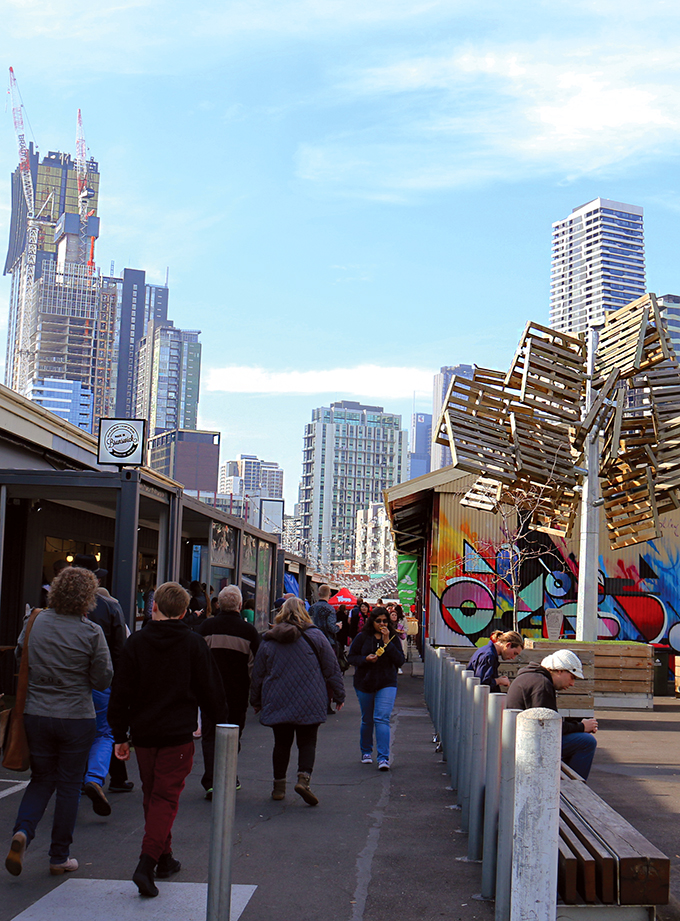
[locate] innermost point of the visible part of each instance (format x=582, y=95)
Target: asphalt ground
x=378, y=846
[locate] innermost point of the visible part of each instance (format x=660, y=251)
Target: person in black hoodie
x=376, y=654
x=164, y=674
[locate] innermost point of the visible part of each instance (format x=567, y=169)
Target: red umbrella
x=344, y=596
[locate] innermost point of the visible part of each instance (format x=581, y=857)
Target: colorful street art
x=639, y=597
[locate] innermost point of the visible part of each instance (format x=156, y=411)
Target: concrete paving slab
x=103, y=899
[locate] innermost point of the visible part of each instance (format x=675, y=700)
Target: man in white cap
x=537, y=686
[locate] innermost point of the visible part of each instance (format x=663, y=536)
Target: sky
x=349, y=194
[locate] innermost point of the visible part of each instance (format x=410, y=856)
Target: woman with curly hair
x=376, y=654
x=67, y=658
x=288, y=690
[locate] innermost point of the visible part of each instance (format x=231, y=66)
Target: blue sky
x=351, y=193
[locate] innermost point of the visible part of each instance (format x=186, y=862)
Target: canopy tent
x=343, y=596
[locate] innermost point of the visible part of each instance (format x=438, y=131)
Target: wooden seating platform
x=603, y=860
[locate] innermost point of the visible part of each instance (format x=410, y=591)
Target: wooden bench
x=602, y=858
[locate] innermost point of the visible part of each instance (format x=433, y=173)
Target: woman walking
x=376, y=654
x=67, y=658
x=484, y=663
x=293, y=666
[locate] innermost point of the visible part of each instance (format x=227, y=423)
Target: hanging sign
x=122, y=442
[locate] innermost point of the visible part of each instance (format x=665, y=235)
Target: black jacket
x=372, y=676
x=165, y=673
x=533, y=687
x=233, y=643
x=109, y=615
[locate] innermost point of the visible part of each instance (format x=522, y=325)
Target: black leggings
x=284, y=733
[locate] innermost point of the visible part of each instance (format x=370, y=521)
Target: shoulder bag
x=15, y=754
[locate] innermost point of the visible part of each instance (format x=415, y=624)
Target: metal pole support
x=492, y=794
x=477, y=771
x=222, y=828
x=506, y=815
x=471, y=681
x=537, y=815
x=458, y=678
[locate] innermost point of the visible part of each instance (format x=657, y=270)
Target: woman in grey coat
x=293, y=667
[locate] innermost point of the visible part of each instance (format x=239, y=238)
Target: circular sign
x=121, y=440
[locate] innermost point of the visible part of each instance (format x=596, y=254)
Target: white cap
x=564, y=660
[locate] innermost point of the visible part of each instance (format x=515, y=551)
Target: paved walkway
x=378, y=846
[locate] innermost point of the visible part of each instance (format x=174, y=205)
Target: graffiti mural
x=639, y=587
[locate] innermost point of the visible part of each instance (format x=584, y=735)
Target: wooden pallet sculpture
x=634, y=339
x=483, y=494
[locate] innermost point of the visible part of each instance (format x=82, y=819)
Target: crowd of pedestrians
x=95, y=692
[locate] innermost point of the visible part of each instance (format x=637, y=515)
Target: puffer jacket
x=288, y=684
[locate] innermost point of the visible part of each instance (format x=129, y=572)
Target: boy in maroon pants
x=164, y=674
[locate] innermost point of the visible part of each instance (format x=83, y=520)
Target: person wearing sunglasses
x=376, y=654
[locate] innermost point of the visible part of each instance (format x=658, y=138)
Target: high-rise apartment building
x=421, y=440
x=190, y=457
x=375, y=551
x=440, y=456
x=167, y=377
x=257, y=477
x=54, y=331
x=351, y=454
x=669, y=305
x=598, y=263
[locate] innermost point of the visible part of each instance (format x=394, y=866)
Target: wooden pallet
x=630, y=505
x=483, y=494
x=480, y=446
x=634, y=339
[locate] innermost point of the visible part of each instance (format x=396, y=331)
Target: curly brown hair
x=73, y=591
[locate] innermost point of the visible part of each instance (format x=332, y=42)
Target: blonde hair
x=511, y=638
x=171, y=599
x=294, y=612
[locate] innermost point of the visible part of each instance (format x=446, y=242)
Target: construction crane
x=26, y=292
x=84, y=192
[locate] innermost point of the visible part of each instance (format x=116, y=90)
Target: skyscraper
x=351, y=454
x=421, y=438
x=669, y=305
x=440, y=456
x=256, y=477
x=598, y=263
x=168, y=377
x=53, y=327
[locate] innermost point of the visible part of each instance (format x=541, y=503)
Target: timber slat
x=574, y=865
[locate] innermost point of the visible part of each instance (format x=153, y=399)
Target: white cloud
x=364, y=380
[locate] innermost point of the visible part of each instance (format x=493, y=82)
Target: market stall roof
x=409, y=506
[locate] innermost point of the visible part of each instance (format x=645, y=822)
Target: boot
x=167, y=865
x=143, y=876
x=302, y=789
x=279, y=791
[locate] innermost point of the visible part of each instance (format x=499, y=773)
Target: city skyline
x=375, y=183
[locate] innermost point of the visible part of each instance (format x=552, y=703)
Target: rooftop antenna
x=167, y=275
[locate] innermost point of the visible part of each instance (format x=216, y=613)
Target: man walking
x=233, y=643
x=323, y=616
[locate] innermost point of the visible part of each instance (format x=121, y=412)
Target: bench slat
x=575, y=869
x=604, y=865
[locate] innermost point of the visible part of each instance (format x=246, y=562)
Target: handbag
x=15, y=753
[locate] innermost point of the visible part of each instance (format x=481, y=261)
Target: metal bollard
x=222, y=827
x=537, y=815
x=506, y=815
x=463, y=737
x=477, y=771
x=427, y=675
x=458, y=673
x=471, y=681
x=449, y=747
x=492, y=794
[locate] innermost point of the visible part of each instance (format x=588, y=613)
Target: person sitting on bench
x=537, y=686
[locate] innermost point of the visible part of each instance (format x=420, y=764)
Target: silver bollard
x=463, y=737
x=538, y=752
x=492, y=794
x=449, y=745
x=506, y=815
x=471, y=681
x=458, y=673
x=222, y=827
x=477, y=771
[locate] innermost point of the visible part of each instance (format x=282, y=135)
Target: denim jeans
x=102, y=747
x=376, y=709
x=578, y=751
x=59, y=750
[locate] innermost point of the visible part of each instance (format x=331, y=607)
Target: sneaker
x=208, y=794
x=15, y=859
x=383, y=765
x=238, y=784
x=94, y=792
x=124, y=787
x=367, y=759
x=68, y=866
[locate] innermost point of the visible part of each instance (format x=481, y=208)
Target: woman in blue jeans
x=67, y=658
x=376, y=654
